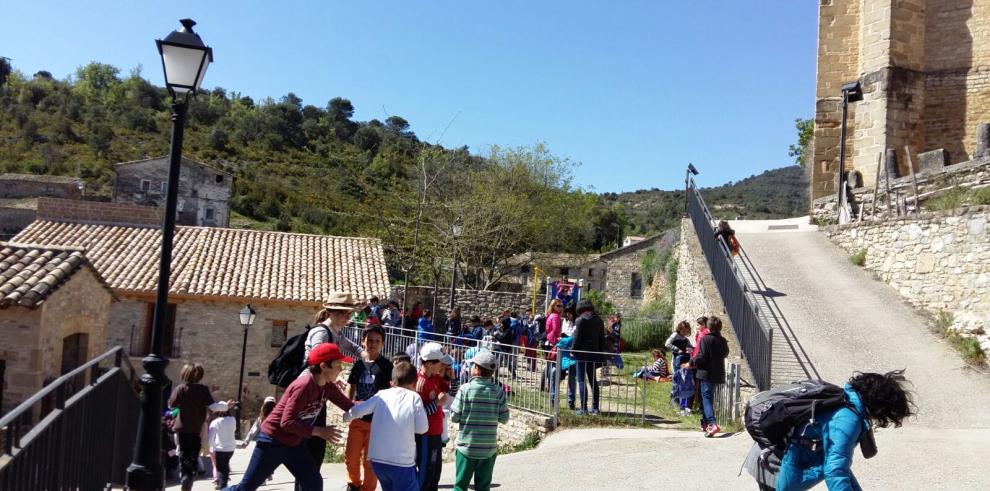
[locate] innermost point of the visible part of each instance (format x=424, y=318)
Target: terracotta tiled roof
x=226, y=262
x=29, y=274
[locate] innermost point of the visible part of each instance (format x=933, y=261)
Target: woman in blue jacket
x=825, y=449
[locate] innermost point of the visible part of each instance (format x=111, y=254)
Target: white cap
x=431, y=352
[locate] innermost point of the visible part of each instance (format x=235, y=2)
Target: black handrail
x=84, y=440
x=755, y=339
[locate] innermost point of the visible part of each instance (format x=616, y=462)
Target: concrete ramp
x=849, y=322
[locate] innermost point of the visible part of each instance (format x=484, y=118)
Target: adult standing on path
x=193, y=400
x=589, y=343
x=710, y=365
x=331, y=320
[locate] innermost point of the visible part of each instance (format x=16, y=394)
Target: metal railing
x=75, y=433
x=755, y=338
x=533, y=377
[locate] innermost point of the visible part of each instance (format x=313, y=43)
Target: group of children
x=686, y=356
x=396, y=414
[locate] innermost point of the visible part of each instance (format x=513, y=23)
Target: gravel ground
x=847, y=321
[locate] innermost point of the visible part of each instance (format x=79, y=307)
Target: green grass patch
x=958, y=197
x=334, y=454
x=530, y=442
x=859, y=258
x=968, y=348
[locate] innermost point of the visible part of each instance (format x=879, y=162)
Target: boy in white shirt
x=399, y=416
x=222, y=444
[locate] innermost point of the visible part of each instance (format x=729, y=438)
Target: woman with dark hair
x=824, y=452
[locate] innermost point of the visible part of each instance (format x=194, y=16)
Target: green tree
x=805, y=132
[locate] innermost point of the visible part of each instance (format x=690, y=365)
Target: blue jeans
x=395, y=478
x=269, y=454
x=571, y=374
x=707, y=402
x=586, y=374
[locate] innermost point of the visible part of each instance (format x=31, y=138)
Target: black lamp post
x=687, y=182
x=851, y=92
x=247, y=316
x=184, y=60
x=456, y=230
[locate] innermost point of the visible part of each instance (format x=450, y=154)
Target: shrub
x=859, y=258
x=603, y=307
x=643, y=334
x=968, y=348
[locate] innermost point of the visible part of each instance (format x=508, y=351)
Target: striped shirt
x=479, y=407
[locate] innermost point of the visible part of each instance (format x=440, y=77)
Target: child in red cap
x=283, y=432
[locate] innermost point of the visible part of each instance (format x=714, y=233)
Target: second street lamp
x=184, y=61
x=456, y=230
x=247, y=316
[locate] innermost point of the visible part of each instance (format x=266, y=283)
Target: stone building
x=54, y=309
x=521, y=267
x=215, y=271
x=19, y=195
x=623, y=283
x=204, y=192
x=924, y=66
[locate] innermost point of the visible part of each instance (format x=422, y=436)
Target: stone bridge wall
x=935, y=261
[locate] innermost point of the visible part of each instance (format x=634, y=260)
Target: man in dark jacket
x=710, y=366
x=589, y=345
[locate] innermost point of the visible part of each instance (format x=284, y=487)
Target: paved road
x=847, y=322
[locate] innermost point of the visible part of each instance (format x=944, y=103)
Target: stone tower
x=924, y=66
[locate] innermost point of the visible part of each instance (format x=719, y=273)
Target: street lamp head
x=184, y=59
x=247, y=316
x=692, y=170
x=853, y=91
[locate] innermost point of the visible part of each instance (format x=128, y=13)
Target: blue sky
x=631, y=90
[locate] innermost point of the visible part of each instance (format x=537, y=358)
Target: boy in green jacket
x=479, y=407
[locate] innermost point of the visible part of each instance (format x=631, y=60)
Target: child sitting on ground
x=657, y=372
x=399, y=417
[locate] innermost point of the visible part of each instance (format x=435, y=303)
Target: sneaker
x=579, y=412
x=682, y=413
x=711, y=430
x=687, y=411
x=594, y=412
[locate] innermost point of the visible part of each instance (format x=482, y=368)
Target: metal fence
x=533, y=378
x=77, y=432
x=535, y=381
x=755, y=339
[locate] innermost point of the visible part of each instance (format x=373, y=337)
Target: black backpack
x=771, y=416
x=289, y=363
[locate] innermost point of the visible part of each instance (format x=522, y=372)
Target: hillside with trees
x=777, y=193
x=313, y=168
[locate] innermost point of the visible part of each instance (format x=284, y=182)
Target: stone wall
x=209, y=332
x=98, y=212
x=21, y=351
x=15, y=218
x=924, y=66
x=690, y=298
x=13, y=186
x=968, y=174
x=935, y=261
x=31, y=339
x=472, y=302
x=696, y=295
x=81, y=305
